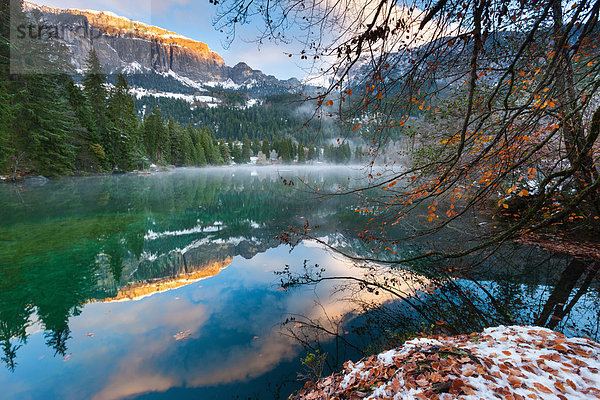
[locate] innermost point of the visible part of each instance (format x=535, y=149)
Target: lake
x=165, y=286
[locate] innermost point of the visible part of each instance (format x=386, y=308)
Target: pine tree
x=121, y=138
x=237, y=154
x=189, y=150
x=246, y=149
x=256, y=146
x=89, y=155
x=225, y=153
x=6, y=118
x=155, y=136
x=95, y=90
x=36, y=121
x=215, y=156
x=44, y=124
x=286, y=150
x=266, y=149
x=312, y=152
x=192, y=133
x=206, y=144
x=301, y=154
x=200, y=157
x=177, y=150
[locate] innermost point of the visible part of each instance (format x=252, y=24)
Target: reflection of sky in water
x=235, y=336
x=80, y=239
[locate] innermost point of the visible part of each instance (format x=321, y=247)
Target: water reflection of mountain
x=140, y=289
x=202, y=258
x=78, y=240
x=118, y=238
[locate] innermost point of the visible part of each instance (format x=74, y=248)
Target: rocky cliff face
x=135, y=47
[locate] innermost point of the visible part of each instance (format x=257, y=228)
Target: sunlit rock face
x=193, y=273
x=134, y=47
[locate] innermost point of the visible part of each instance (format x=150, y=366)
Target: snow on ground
x=134, y=68
x=513, y=362
x=107, y=13
x=186, y=81
x=140, y=92
x=151, y=235
x=252, y=102
x=228, y=84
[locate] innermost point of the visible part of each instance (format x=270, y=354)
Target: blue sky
x=193, y=18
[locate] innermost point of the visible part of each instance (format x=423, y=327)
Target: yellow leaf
x=523, y=192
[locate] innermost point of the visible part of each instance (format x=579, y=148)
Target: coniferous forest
x=58, y=123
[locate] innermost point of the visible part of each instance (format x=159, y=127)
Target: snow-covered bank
x=501, y=363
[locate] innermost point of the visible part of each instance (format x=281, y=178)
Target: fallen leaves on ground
x=513, y=363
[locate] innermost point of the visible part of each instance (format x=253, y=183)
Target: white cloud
x=270, y=58
x=139, y=10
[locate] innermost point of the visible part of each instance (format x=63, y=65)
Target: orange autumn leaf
x=541, y=388
x=523, y=192
x=516, y=382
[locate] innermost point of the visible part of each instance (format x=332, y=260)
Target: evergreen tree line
x=39, y=129
x=51, y=125
x=272, y=120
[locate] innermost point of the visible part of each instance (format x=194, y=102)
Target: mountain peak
x=114, y=24
x=116, y=39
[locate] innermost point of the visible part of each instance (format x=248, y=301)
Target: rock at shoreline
x=501, y=363
x=35, y=180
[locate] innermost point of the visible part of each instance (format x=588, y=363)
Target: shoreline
x=512, y=362
x=169, y=169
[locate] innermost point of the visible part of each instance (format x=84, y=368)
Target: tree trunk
x=577, y=143
x=562, y=290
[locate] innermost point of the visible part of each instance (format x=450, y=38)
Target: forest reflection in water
x=99, y=276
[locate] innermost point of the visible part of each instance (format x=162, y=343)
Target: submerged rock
x=35, y=180
x=503, y=362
